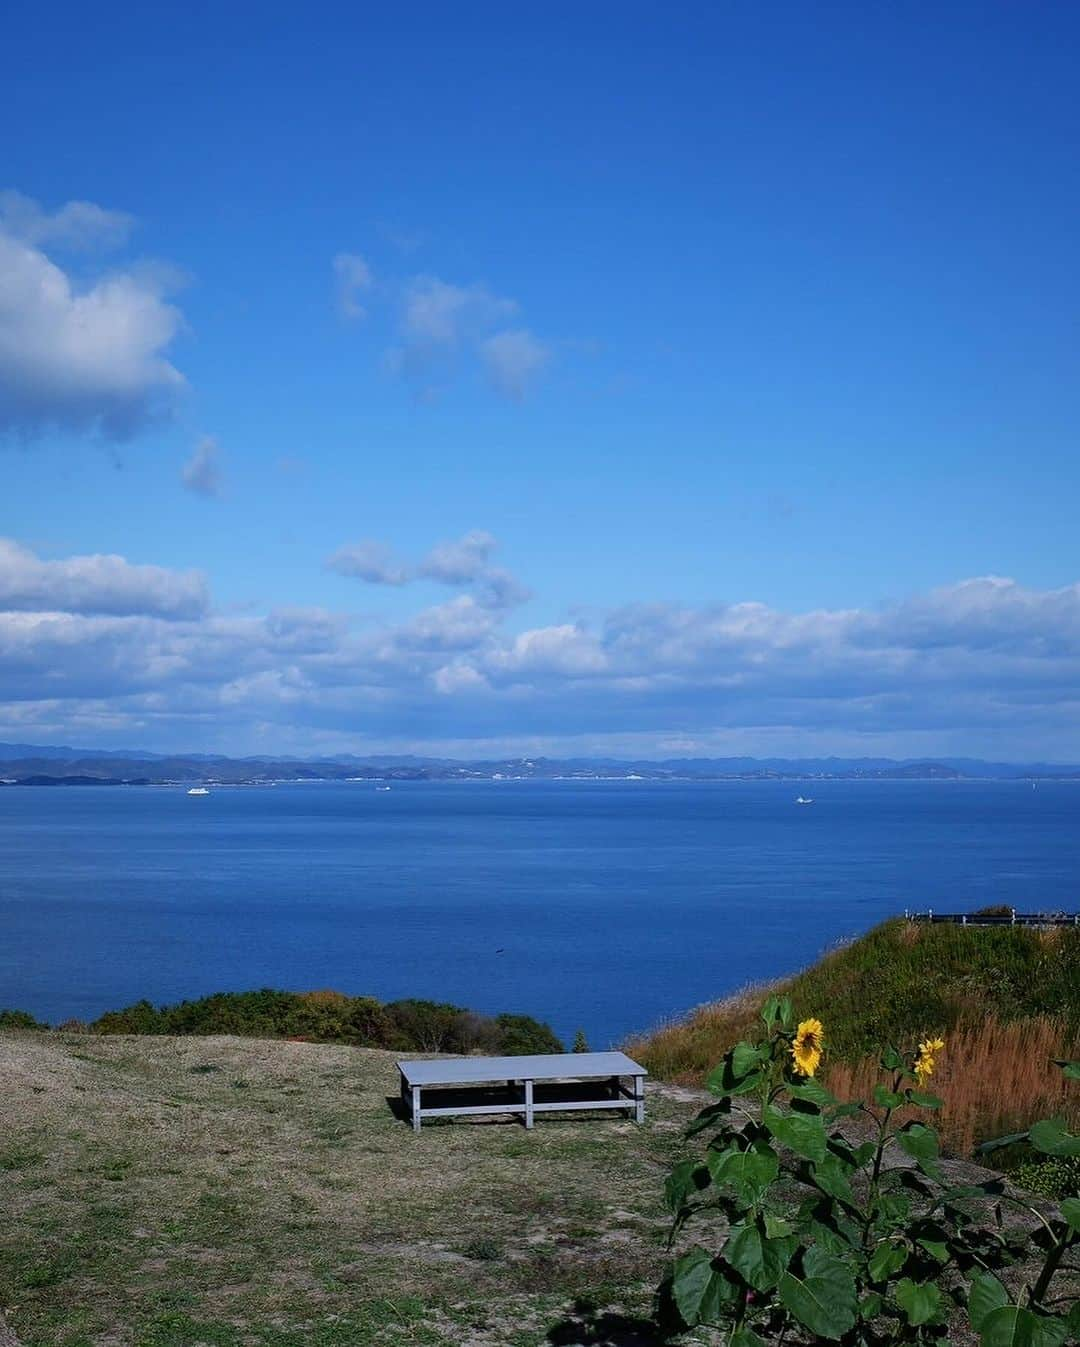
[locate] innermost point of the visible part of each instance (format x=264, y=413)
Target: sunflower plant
x=850, y=1233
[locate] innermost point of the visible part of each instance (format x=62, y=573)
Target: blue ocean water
x=602, y=905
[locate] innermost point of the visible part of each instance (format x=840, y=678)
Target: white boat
x=803, y=800
x=382, y=787
x=198, y=790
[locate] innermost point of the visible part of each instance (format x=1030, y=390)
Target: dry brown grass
x=685, y=1050
x=994, y=1078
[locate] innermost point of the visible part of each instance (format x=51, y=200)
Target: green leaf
x=745, y=1057
x=884, y=1098
x=885, y=1260
x=1051, y=1138
x=813, y=1092
x=1070, y=1209
x=710, y=1116
x=920, y=1301
x=843, y=1111
x=1070, y=1070
x=936, y=1248
x=722, y=1080
x=760, y=1261
x=823, y=1299
x=803, y=1133
x=770, y=1011
x=870, y=1306
x=921, y=1143
x=891, y=1060
x=1011, y=1326
x=986, y=1294
x=831, y=1176
x=686, y=1179
x=925, y=1100
x=985, y=1147
x=776, y=1227
x=749, y=1172
x=699, y=1290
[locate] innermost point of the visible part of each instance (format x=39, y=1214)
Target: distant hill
x=30, y=764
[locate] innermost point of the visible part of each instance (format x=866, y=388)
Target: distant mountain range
x=35, y=765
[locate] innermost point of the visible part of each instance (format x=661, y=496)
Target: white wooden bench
x=549, y=1083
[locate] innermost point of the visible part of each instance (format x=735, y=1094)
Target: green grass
x=901, y=980
x=893, y=985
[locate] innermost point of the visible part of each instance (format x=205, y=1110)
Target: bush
x=521, y=1035
x=332, y=1017
x=19, y=1019
x=1049, y=1176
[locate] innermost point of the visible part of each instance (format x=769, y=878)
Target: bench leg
x=528, y=1103
x=639, y=1099
x=416, y=1108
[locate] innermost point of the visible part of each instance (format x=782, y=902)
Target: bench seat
x=543, y=1083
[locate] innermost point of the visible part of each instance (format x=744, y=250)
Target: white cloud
x=96, y=584
x=436, y=313
x=513, y=360
x=446, y=327
x=461, y=562
x=202, y=472
x=458, y=562
x=368, y=560
x=81, y=357
x=78, y=225
x=978, y=667
x=352, y=277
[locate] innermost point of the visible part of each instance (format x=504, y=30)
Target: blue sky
x=743, y=338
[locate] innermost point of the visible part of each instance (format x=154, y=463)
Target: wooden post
x=416, y=1108
x=528, y=1103
x=639, y=1099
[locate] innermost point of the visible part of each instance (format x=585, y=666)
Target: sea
x=606, y=906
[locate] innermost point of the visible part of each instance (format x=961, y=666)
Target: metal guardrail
x=984, y=919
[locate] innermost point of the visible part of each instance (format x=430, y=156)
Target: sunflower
x=806, y=1049
x=924, y=1063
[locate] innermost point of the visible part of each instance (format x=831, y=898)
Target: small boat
x=198, y=790
x=801, y=799
x=382, y=787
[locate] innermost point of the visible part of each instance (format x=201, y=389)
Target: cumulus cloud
x=513, y=361
x=77, y=225
x=464, y=561
x=445, y=328
x=456, y=563
x=80, y=356
x=96, y=584
x=369, y=560
x=984, y=665
x=201, y=474
x=352, y=277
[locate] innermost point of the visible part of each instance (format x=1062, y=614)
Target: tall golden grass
x=994, y=1079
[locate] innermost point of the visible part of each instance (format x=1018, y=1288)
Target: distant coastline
x=33, y=765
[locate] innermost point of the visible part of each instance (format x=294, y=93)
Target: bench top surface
x=547, y=1066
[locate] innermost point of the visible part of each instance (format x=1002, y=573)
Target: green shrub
x=521, y=1035
x=19, y=1019
x=332, y=1017
x=1049, y=1176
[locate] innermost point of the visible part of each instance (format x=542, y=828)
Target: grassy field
x=167, y=1192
